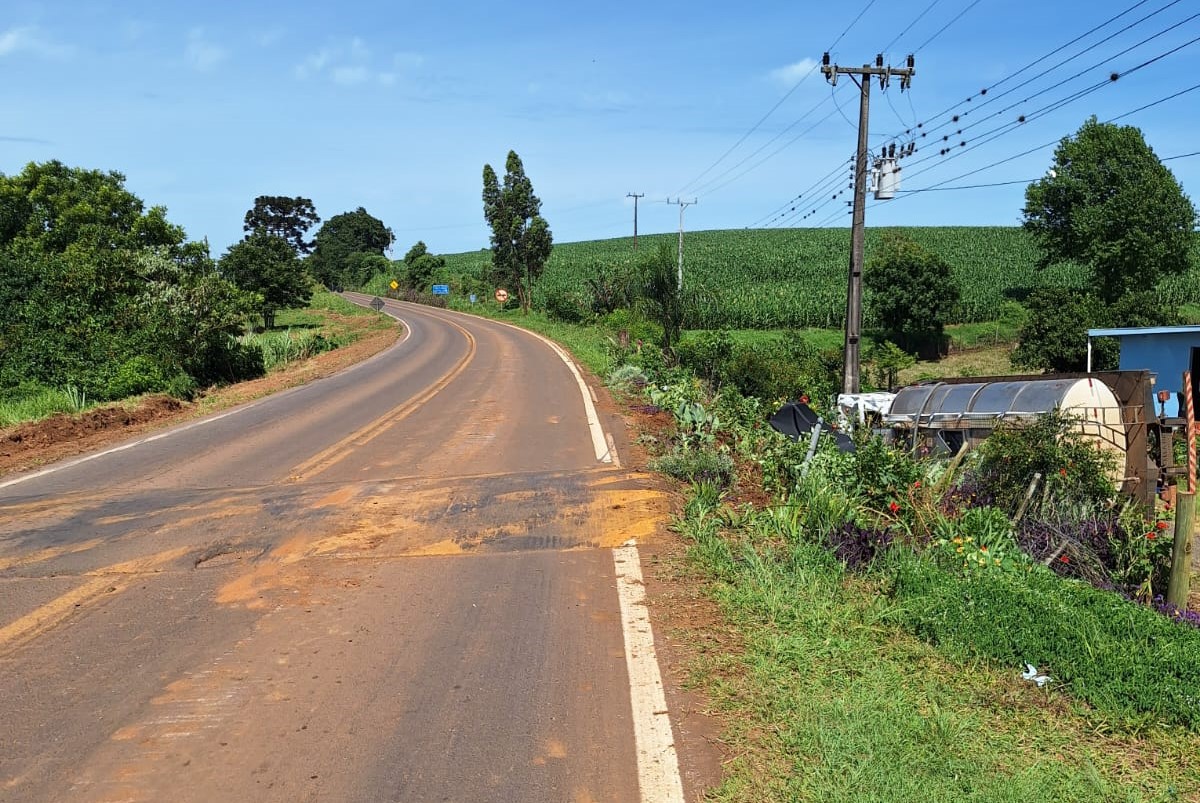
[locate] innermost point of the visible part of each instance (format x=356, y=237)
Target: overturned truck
x=1115, y=409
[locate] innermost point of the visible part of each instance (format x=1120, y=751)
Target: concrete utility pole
x=635, y=197
x=850, y=369
x=682, y=206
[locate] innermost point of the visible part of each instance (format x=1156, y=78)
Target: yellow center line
x=327, y=458
x=108, y=580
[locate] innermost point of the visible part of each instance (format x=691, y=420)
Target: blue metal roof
x=1144, y=330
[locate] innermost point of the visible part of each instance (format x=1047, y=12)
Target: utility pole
x=850, y=368
x=635, y=197
x=682, y=204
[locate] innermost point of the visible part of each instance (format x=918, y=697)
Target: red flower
x=1064, y=559
x=917, y=484
x=1062, y=471
x=1162, y=525
x=1150, y=536
x=892, y=506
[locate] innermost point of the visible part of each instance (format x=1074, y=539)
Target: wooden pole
x=1181, y=550
x=1185, y=509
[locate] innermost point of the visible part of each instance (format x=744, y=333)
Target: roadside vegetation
x=895, y=628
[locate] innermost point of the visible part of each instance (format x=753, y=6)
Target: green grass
x=827, y=700
x=35, y=404
x=590, y=345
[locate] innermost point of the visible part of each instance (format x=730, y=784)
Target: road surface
x=404, y=582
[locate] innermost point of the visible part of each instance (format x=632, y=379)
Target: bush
x=1074, y=471
x=134, y=377
x=696, y=465
x=566, y=305
x=708, y=354
x=1124, y=659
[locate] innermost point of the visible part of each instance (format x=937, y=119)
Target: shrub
x=566, y=305
x=1074, y=471
x=708, y=354
x=858, y=546
x=135, y=376
x=696, y=465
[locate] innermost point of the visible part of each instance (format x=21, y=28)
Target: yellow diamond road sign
x=395, y=285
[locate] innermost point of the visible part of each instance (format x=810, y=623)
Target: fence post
x=1181, y=550
x=1185, y=509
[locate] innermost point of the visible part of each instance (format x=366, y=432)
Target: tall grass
x=39, y=403
x=282, y=347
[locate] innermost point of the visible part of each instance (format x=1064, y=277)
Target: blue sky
x=397, y=106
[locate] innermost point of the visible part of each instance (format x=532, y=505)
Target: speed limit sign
x=502, y=295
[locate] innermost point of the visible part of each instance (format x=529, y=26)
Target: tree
x=1110, y=204
x=341, y=236
x=99, y=293
x=1054, y=337
x=521, y=238
x=912, y=294
x=267, y=264
x=888, y=360
x=419, y=266
x=289, y=218
x=59, y=207
x=661, y=297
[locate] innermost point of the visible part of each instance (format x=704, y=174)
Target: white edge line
x=658, y=763
x=176, y=430
x=604, y=447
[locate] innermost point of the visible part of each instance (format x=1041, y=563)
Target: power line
x=888, y=46
x=778, y=103
x=983, y=92
x=1008, y=127
x=782, y=209
x=944, y=27
x=1055, y=141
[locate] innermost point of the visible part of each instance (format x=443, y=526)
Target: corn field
x=790, y=278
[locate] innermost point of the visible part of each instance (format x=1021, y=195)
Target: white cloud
x=350, y=75
x=792, y=74
x=28, y=39
x=352, y=63
x=202, y=54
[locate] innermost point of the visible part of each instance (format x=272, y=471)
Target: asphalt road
x=397, y=583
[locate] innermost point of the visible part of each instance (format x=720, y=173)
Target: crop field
x=795, y=278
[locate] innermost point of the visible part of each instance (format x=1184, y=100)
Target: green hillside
x=793, y=278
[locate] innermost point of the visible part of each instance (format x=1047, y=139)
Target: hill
x=793, y=278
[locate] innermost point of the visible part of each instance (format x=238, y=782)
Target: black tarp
x=796, y=420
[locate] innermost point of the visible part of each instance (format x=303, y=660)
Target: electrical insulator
x=825, y=60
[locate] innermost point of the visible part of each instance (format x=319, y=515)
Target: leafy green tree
x=59, y=207
x=267, y=264
x=1054, y=336
x=912, y=293
x=1110, y=204
x=289, y=218
x=521, y=238
x=100, y=293
x=888, y=360
x=419, y=266
x=341, y=236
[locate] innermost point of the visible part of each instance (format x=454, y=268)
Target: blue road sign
x=441, y=289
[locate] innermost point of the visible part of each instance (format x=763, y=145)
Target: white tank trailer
x=1114, y=410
